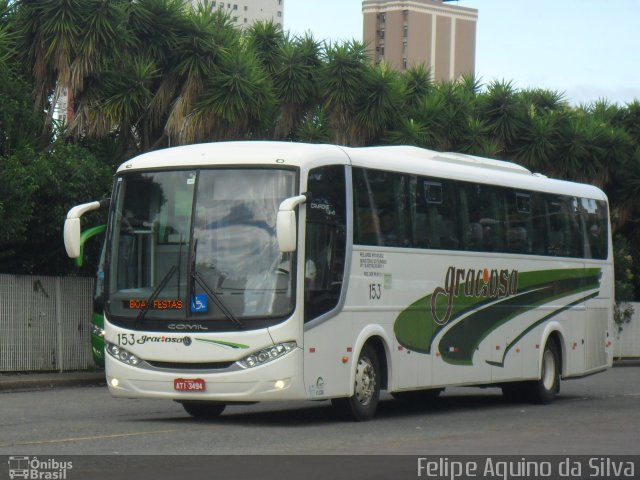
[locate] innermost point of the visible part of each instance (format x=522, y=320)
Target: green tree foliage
x=47, y=185
x=147, y=74
x=623, y=263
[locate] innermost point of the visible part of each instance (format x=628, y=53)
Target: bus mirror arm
x=72, y=227
x=286, y=228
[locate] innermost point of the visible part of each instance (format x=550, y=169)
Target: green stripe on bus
x=223, y=344
x=539, y=322
x=415, y=327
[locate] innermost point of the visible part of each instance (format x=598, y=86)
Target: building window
x=235, y=7
x=235, y=19
x=382, y=51
x=245, y=20
x=405, y=15
x=404, y=63
x=279, y=14
x=381, y=33
x=404, y=48
x=246, y=8
x=405, y=32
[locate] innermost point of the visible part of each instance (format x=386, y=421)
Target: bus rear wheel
x=363, y=403
x=202, y=409
x=543, y=391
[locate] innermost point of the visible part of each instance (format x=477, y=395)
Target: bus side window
x=596, y=227
x=539, y=225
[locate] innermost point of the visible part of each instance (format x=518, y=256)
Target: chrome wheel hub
x=365, y=381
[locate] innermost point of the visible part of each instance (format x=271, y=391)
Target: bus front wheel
x=204, y=410
x=363, y=403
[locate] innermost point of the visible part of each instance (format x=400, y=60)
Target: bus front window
x=199, y=245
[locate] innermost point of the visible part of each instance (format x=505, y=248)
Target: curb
x=40, y=381
x=627, y=362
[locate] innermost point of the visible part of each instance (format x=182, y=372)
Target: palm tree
x=8, y=38
x=379, y=103
x=501, y=108
x=408, y=132
x=295, y=82
x=313, y=128
x=538, y=143
x=199, y=54
x=49, y=32
x=581, y=151
x=341, y=78
x=266, y=39
x=236, y=103
x=417, y=85
x=544, y=100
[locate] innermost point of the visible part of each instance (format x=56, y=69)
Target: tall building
x=431, y=32
x=245, y=12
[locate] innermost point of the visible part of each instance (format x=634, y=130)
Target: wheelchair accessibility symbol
x=199, y=304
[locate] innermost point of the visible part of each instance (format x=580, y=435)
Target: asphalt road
x=594, y=415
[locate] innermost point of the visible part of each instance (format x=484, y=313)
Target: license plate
x=188, y=384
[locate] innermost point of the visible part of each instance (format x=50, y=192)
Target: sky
x=586, y=49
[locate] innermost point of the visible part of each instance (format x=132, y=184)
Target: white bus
x=259, y=271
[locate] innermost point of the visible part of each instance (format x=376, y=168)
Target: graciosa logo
x=480, y=283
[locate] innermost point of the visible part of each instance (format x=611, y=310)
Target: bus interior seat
x=448, y=237
x=474, y=235
x=518, y=240
x=368, y=234
x=421, y=231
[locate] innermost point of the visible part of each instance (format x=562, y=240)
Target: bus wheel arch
x=378, y=344
x=369, y=377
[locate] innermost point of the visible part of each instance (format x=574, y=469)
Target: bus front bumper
x=280, y=379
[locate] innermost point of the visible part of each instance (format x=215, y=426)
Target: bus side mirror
x=72, y=227
x=286, y=227
x=72, y=237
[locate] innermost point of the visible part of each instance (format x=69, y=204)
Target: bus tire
x=202, y=409
x=362, y=405
x=544, y=390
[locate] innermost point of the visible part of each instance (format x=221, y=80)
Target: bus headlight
x=267, y=354
x=121, y=354
x=98, y=331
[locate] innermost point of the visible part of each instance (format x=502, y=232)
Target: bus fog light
x=266, y=355
x=114, y=382
x=279, y=384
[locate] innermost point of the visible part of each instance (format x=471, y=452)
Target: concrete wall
x=628, y=341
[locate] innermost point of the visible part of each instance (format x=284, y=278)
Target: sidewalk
x=10, y=382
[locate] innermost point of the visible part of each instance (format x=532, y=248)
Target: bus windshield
x=200, y=246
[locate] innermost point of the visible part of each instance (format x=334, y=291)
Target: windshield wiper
x=197, y=278
x=163, y=283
